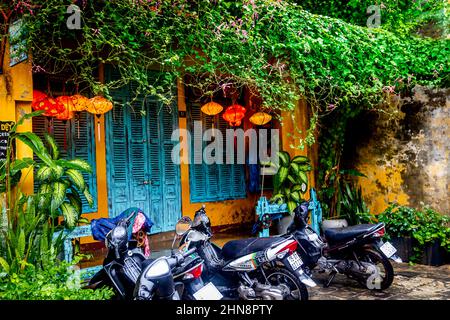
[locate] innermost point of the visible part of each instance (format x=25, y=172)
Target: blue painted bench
x=277, y=211
x=78, y=232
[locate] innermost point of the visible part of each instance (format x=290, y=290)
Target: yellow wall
x=16, y=94
x=293, y=129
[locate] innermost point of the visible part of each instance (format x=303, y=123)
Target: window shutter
x=170, y=169
x=225, y=169
x=197, y=174
x=211, y=170
x=117, y=160
x=82, y=146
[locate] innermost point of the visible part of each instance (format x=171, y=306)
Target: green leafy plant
x=33, y=219
x=424, y=225
x=291, y=180
x=351, y=205
x=57, y=281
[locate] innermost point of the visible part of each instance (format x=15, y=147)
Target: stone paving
x=417, y=282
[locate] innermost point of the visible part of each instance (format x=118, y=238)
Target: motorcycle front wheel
x=293, y=288
x=383, y=275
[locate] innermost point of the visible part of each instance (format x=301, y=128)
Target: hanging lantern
x=212, y=108
x=260, y=118
x=234, y=114
x=51, y=106
x=38, y=96
x=81, y=103
x=99, y=105
x=67, y=102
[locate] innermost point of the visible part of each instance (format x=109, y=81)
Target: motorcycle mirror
x=183, y=225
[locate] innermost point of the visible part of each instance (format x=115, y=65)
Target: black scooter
x=355, y=251
x=126, y=270
x=245, y=269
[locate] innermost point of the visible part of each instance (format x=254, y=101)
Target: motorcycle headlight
x=158, y=268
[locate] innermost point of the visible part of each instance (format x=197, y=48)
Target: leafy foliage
x=33, y=219
x=425, y=225
x=56, y=282
x=291, y=180
x=277, y=49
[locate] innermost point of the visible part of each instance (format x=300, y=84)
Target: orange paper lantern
x=99, y=105
x=260, y=118
x=212, y=108
x=81, y=103
x=68, y=113
x=234, y=114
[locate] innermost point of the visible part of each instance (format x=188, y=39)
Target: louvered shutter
x=197, y=179
x=226, y=183
x=156, y=172
x=81, y=144
x=117, y=158
x=211, y=170
x=171, y=172
x=137, y=143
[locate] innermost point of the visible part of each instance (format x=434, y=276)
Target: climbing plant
x=275, y=48
x=320, y=51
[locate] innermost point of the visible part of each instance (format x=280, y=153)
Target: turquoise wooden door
x=138, y=152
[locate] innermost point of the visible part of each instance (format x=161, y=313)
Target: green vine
x=281, y=51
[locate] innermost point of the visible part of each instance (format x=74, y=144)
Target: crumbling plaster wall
x=405, y=153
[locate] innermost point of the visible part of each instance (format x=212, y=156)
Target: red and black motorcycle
x=356, y=251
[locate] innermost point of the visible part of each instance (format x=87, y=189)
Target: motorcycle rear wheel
x=384, y=268
x=282, y=276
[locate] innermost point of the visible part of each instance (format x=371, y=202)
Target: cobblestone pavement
x=418, y=282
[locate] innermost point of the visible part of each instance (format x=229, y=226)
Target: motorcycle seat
x=238, y=248
x=337, y=235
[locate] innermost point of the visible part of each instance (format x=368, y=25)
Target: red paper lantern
x=68, y=104
x=234, y=114
x=51, y=106
x=38, y=96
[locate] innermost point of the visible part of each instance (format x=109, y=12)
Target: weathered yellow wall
x=293, y=130
x=406, y=156
x=16, y=94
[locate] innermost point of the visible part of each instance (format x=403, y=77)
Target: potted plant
x=419, y=235
x=347, y=206
x=290, y=185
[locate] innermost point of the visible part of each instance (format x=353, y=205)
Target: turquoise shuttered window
x=213, y=182
x=75, y=139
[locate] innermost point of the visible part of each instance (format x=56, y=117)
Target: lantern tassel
x=98, y=129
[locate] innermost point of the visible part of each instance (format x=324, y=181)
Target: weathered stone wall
x=405, y=152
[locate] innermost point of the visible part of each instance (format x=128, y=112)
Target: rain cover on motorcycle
x=101, y=227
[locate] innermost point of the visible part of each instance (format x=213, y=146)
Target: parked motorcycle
x=356, y=251
x=133, y=276
x=245, y=269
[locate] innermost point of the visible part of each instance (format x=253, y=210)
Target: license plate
x=388, y=249
x=295, y=261
x=208, y=292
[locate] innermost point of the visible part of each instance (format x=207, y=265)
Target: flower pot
x=433, y=254
x=404, y=246
x=334, y=223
